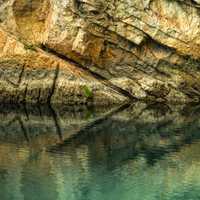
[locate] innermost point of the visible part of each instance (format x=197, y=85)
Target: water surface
x=129, y=153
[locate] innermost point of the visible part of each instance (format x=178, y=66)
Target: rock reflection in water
x=132, y=152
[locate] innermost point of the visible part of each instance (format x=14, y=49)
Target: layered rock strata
x=30, y=75
x=121, y=50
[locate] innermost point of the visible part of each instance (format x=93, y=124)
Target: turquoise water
x=136, y=152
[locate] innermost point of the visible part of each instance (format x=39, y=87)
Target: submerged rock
x=120, y=50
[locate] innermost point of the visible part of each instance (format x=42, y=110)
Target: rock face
x=97, y=51
x=30, y=75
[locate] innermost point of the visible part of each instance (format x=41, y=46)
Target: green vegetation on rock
x=87, y=92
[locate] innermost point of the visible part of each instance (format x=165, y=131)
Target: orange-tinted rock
x=148, y=49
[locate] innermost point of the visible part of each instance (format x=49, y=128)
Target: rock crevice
x=99, y=52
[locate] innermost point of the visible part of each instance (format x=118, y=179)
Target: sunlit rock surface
x=148, y=50
x=31, y=75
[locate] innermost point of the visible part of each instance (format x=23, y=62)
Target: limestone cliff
x=99, y=51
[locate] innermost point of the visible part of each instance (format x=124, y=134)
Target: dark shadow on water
x=150, y=130
x=77, y=153
x=119, y=133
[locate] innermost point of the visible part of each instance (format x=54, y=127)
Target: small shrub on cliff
x=87, y=92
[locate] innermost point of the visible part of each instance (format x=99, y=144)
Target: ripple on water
x=111, y=154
